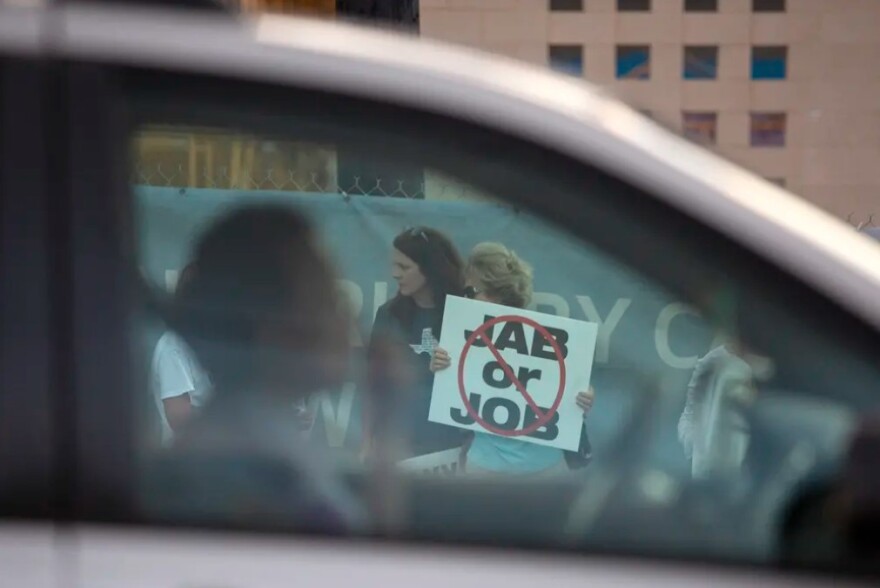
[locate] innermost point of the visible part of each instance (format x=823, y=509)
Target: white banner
x=514, y=373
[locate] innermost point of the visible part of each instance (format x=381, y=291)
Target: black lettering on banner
x=489, y=411
x=478, y=342
x=548, y=431
x=542, y=348
x=512, y=336
x=461, y=415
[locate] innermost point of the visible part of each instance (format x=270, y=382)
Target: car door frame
x=28, y=371
x=104, y=285
x=32, y=494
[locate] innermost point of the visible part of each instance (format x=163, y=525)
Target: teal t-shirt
x=500, y=454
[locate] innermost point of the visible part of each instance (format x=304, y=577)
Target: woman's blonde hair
x=505, y=277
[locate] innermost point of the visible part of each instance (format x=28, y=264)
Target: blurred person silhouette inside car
x=178, y=383
x=833, y=518
x=265, y=319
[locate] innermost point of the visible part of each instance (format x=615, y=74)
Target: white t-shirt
x=713, y=437
x=175, y=372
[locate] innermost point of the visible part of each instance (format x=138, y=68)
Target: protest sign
x=442, y=463
x=514, y=373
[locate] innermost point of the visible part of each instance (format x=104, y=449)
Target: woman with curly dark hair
x=427, y=267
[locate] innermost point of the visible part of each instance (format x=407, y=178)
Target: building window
x=768, y=5
x=633, y=5
x=700, y=127
x=701, y=5
x=767, y=129
x=769, y=63
x=633, y=62
x=566, y=5
x=700, y=62
x=567, y=59
x=401, y=14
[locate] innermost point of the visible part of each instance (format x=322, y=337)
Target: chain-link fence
x=431, y=186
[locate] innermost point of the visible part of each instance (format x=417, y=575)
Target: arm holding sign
x=581, y=458
x=585, y=399
x=440, y=360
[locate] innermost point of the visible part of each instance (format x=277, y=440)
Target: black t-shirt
x=421, y=336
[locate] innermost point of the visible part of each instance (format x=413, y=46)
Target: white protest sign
x=442, y=463
x=515, y=373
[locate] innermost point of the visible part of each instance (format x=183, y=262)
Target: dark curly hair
x=438, y=260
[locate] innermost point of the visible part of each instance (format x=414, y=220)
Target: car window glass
x=343, y=338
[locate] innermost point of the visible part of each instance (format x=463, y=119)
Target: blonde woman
x=494, y=273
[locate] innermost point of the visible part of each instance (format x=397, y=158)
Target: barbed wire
x=168, y=176
x=284, y=179
x=860, y=222
x=177, y=176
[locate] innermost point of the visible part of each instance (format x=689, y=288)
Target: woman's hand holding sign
x=585, y=399
x=441, y=361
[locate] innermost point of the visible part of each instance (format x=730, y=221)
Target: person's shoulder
x=385, y=309
x=383, y=313
x=163, y=345
x=385, y=324
x=170, y=344
x=718, y=353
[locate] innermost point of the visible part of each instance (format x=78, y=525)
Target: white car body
x=545, y=108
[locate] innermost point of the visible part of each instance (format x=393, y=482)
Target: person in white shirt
x=178, y=384
x=711, y=429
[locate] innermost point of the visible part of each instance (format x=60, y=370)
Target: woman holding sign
x=496, y=274
x=427, y=267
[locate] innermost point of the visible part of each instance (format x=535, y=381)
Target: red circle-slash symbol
x=543, y=417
